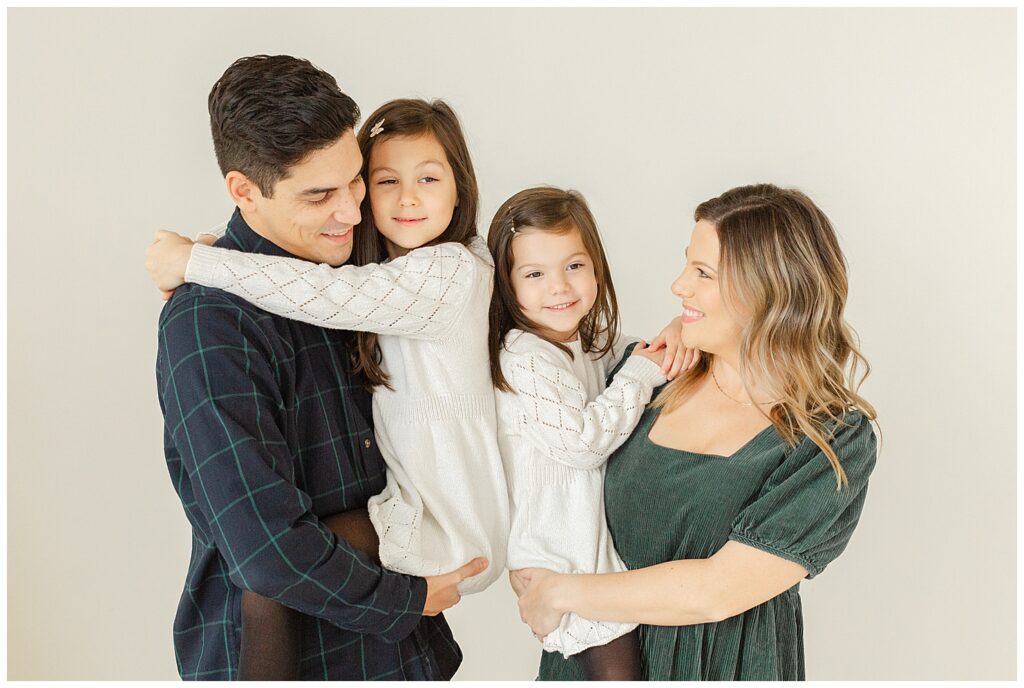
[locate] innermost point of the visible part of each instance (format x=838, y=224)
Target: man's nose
x=346, y=211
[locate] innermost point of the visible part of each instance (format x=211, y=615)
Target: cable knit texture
x=446, y=498
x=556, y=431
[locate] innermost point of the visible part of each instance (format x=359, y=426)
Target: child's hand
x=678, y=358
x=166, y=260
x=648, y=352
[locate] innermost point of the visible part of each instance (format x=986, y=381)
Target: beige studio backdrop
x=900, y=123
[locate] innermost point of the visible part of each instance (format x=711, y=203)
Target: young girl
x=553, y=339
x=418, y=297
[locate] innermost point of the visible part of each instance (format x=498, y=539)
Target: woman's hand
x=537, y=600
x=519, y=581
x=166, y=260
x=677, y=358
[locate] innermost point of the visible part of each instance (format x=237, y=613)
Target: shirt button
x=366, y=443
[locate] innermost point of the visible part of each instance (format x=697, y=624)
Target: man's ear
x=243, y=191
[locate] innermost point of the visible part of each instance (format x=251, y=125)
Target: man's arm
x=220, y=401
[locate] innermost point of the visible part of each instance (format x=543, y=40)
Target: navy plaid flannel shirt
x=266, y=431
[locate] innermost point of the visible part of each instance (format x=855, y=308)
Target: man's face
x=314, y=210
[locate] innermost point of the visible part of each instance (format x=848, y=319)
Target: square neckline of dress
x=701, y=455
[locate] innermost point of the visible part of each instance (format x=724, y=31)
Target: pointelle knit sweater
x=446, y=498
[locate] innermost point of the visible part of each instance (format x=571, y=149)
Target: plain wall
x=900, y=123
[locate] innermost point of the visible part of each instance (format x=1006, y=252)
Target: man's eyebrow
x=317, y=190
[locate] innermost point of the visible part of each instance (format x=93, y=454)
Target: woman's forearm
x=680, y=593
x=676, y=593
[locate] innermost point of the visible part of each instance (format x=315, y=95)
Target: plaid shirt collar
x=242, y=237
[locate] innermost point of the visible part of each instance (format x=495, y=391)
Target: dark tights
x=271, y=632
x=618, y=660
x=271, y=635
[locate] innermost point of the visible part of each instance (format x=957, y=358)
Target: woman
x=745, y=475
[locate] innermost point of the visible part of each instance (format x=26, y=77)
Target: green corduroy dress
x=665, y=504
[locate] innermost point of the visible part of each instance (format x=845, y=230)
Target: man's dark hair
x=268, y=112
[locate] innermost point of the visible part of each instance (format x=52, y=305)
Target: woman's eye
x=703, y=274
x=428, y=179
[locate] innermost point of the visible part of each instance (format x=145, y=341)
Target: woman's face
x=708, y=324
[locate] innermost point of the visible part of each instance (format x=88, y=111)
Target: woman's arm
x=677, y=593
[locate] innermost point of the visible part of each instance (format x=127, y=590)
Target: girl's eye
x=531, y=275
x=703, y=274
x=574, y=266
x=387, y=181
x=428, y=179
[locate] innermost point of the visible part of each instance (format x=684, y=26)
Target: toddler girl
x=553, y=339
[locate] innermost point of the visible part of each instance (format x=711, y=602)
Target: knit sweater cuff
x=202, y=264
x=643, y=370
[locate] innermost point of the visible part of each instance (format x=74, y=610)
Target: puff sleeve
x=798, y=514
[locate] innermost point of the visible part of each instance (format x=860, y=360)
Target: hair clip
x=512, y=219
x=377, y=128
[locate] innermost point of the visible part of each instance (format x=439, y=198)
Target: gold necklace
x=730, y=398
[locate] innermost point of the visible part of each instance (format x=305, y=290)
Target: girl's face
x=553, y=279
x=708, y=324
x=412, y=191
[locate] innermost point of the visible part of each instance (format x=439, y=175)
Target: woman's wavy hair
x=546, y=209
x=782, y=266
x=410, y=118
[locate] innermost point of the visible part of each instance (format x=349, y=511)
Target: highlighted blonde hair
x=781, y=264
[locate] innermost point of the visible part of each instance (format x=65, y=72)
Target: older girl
x=748, y=473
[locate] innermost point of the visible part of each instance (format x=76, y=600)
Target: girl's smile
x=553, y=280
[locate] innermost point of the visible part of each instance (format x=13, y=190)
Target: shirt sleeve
x=557, y=416
x=221, y=402
x=799, y=515
x=419, y=295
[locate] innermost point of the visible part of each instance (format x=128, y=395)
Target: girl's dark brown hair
x=411, y=118
x=546, y=209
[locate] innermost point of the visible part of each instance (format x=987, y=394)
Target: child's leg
x=272, y=632
x=271, y=638
x=618, y=660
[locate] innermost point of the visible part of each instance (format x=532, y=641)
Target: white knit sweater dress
x=446, y=499
x=556, y=432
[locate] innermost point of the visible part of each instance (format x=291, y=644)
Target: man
x=268, y=432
